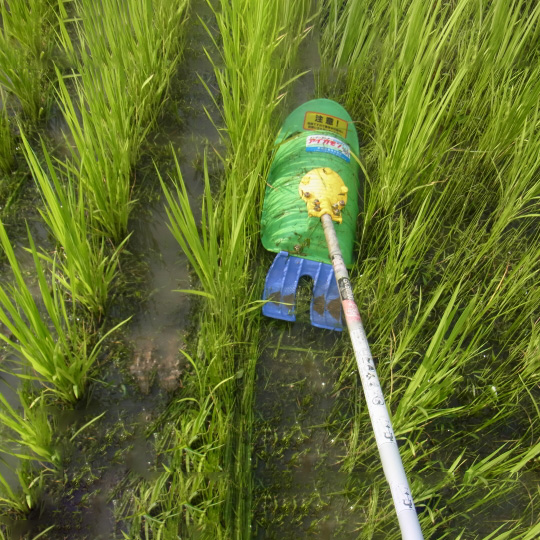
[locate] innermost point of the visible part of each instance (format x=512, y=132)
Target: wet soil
x=300, y=491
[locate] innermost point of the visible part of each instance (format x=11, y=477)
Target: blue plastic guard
x=281, y=285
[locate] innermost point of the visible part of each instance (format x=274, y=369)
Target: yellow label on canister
x=316, y=121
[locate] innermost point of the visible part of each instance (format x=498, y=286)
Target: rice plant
x=85, y=266
x=445, y=95
x=18, y=497
x=56, y=346
x=27, y=439
x=30, y=431
x=185, y=496
x=26, y=44
x=448, y=246
x=122, y=78
x=154, y=45
x=7, y=147
x=258, y=42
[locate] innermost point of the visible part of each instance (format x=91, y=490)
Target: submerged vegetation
x=445, y=99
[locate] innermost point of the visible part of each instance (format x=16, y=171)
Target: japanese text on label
x=324, y=122
x=329, y=145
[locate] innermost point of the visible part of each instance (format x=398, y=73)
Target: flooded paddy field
x=300, y=490
x=143, y=395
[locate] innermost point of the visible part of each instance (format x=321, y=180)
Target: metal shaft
x=378, y=413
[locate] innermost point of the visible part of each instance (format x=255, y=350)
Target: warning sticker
x=315, y=121
x=329, y=145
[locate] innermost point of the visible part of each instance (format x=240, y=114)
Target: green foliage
x=126, y=54
x=446, y=98
x=255, y=44
x=27, y=437
x=84, y=266
x=7, y=147
x=26, y=43
x=31, y=430
x=25, y=496
x=186, y=495
x=258, y=42
x=55, y=343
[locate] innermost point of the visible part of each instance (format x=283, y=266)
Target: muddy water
x=300, y=490
x=186, y=130
x=157, y=330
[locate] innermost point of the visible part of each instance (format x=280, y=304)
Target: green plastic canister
x=319, y=133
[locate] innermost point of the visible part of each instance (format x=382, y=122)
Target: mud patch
x=290, y=300
x=275, y=298
x=161, y=361
x=319, y=304
x=143, y=366
x=334, y=308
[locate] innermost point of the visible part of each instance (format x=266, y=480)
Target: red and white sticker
x=351, y=311
x=328, y=145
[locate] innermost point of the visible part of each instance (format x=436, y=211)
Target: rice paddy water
x=259, y=428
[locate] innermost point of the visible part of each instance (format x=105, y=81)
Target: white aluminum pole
x=380, y=419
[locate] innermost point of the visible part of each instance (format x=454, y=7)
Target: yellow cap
x=324, y=192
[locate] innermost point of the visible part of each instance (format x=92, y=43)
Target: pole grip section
x=378, y=413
